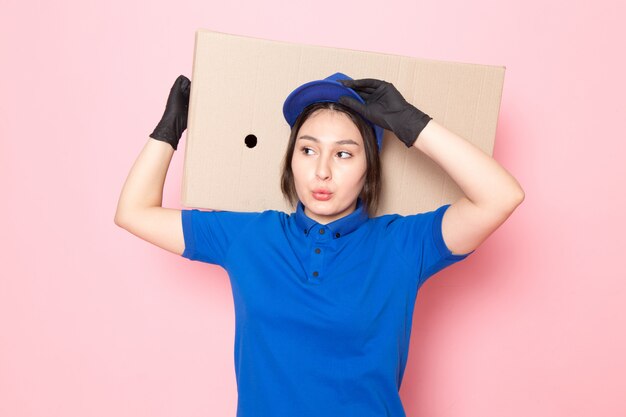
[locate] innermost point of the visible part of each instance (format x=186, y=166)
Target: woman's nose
x=322, y=170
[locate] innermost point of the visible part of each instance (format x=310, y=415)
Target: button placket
x=316, y=272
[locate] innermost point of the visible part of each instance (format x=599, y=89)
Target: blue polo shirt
x=322, y=312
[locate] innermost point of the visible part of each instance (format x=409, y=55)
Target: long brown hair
x=370, y=194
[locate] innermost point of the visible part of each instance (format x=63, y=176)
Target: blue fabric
x=329, y=344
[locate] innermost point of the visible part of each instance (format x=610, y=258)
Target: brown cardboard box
x=238, y=88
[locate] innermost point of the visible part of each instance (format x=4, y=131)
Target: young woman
x=324, y=296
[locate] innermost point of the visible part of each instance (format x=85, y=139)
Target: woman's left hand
x=385, y=106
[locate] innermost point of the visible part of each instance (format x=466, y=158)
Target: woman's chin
x=321, y=208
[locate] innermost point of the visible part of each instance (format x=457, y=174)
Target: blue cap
x=328, y=89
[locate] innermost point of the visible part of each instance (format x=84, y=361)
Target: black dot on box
x=250, y=141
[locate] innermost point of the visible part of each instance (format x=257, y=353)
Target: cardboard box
x=238, y=88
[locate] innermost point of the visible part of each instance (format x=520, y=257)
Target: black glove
x=174, y=120
x=385, y=106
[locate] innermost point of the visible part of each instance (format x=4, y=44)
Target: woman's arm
x=483, y=180
x=139, y=207
x=491, y=193
x=144, y=186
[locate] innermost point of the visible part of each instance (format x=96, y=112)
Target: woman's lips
x=322, y=195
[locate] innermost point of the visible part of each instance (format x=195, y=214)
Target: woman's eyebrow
x=339, y=142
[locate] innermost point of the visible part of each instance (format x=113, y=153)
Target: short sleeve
x=419, y=238
x=209, y=234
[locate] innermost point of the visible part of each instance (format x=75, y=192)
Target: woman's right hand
x=174, y=120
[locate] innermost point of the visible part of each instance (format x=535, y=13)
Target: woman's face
x=328, y=165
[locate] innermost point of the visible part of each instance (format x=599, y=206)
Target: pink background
x=97, y=322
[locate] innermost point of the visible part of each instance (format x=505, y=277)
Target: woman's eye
x=342, y=154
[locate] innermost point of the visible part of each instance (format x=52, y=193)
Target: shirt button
x=321, y=231
x=317, y=250
x=305, y=231
x=337, y=235
x=315, y=273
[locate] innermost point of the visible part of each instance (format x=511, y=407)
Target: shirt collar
x=339, y=227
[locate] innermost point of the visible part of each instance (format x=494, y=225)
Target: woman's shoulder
x=234, y=217
x=422, y=219
x=385, y=218
x=421, y=214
